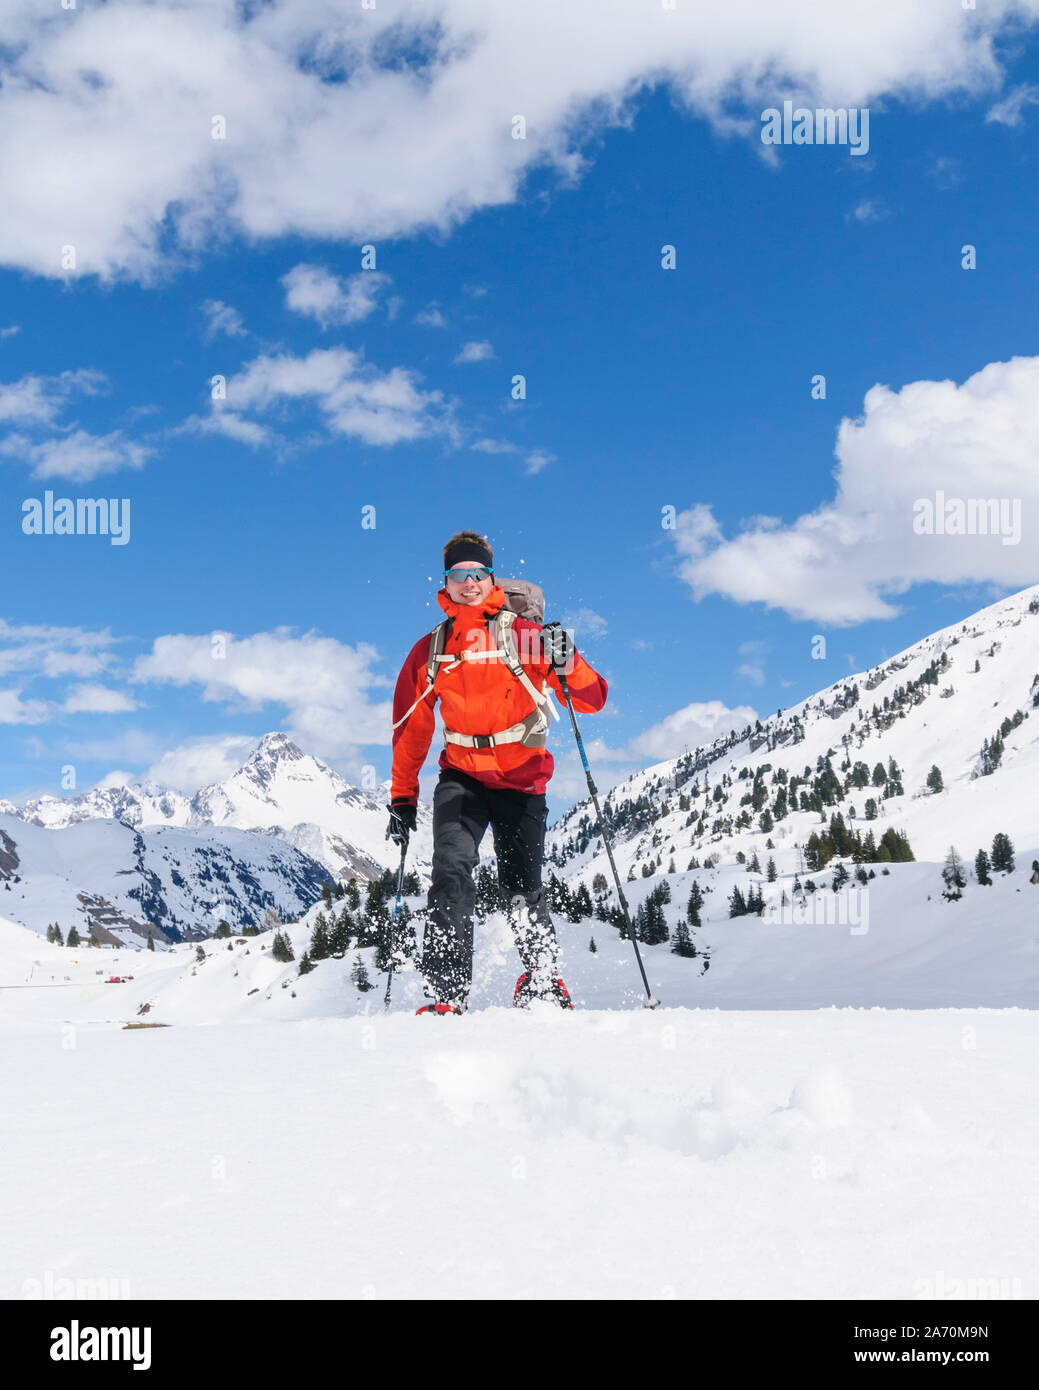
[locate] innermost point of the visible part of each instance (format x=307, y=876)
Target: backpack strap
x=437, y=642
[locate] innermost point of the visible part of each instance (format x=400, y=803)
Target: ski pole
x=651, y=1003
x=393, y=922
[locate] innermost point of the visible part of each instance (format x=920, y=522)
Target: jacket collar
x=466, y=614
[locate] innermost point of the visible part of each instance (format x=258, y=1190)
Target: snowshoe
x=439, y=1009
x=525, y=992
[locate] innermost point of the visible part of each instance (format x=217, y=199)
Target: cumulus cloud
x=46, y=650
x=230, y=425
x=430, y=317
x=354, y=398
x=201, y=762
x=841, y=562
x=475, y=352
x=316, y=292
x=91, y=698
x=694, y=726
x=350, y=124
x=322, y=687
x=81, y=456
x=10, y=331
x=15, y=710
x=38, y=400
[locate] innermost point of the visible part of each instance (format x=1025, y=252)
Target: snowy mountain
x=279, y=791
x=963, y=700
x=123, y=885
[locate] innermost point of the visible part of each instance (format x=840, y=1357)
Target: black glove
x=403, y=819
x=557, y=646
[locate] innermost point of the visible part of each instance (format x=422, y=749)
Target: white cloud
x=356, y=399
x=585, y=622
x=494, y=446
x=475, y=352
x=221, y=318
x=430, y=317
x=694, y=726
x=752, y=671
x=45, y=650
x=321, y=685
x=15, y=710
x=537, y=460
x=91, y=698
x=81, y=456
x=316, y=292
x=1010, y=110
x=10, y=331
x=869, y=210
x=201, y=762
x=839, y=563
x=105, y=118
x=38, y=400
x=232, y=426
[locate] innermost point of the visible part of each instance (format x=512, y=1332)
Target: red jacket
x=480, y=697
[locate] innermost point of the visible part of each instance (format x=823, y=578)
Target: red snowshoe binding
x=524, y=993
x=439, y=1009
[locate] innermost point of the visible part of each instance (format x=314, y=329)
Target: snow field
x=673, y=1153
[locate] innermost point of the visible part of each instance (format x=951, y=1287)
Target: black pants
x=462, y=810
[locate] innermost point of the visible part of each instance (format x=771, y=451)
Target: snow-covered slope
x=280, y=791
x=934, y=704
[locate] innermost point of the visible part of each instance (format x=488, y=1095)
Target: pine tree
x=223, y=929
x=982, y=868
x=771, y=872
x=934, y=779
x=59, y=940
x=1002, y=854
x=359, y=976
x=353, y=896
x=754, y=867
x=737, y=903
x=281, y=948
x=592, y=946
x=339, y=934
x=200, y=955
x=151, y=941
x=952, y=876
x=682, y=944
x=326, y=893
x=306, y=965
x=692, y=911
x=319, y=939
x=73, y=938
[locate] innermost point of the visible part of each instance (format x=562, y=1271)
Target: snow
x=679, y=1153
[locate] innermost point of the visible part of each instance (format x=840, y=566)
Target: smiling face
x=470, y=591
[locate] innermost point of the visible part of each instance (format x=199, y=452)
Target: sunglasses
x=461, y=574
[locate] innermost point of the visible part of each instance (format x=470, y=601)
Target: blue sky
x=646, y=388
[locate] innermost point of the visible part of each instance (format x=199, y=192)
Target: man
x=494, y=770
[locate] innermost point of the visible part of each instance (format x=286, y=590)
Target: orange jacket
x=480, y=697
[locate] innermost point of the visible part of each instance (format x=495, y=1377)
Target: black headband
x=468, y=550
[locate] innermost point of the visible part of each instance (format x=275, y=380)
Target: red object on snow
x=521, y=996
